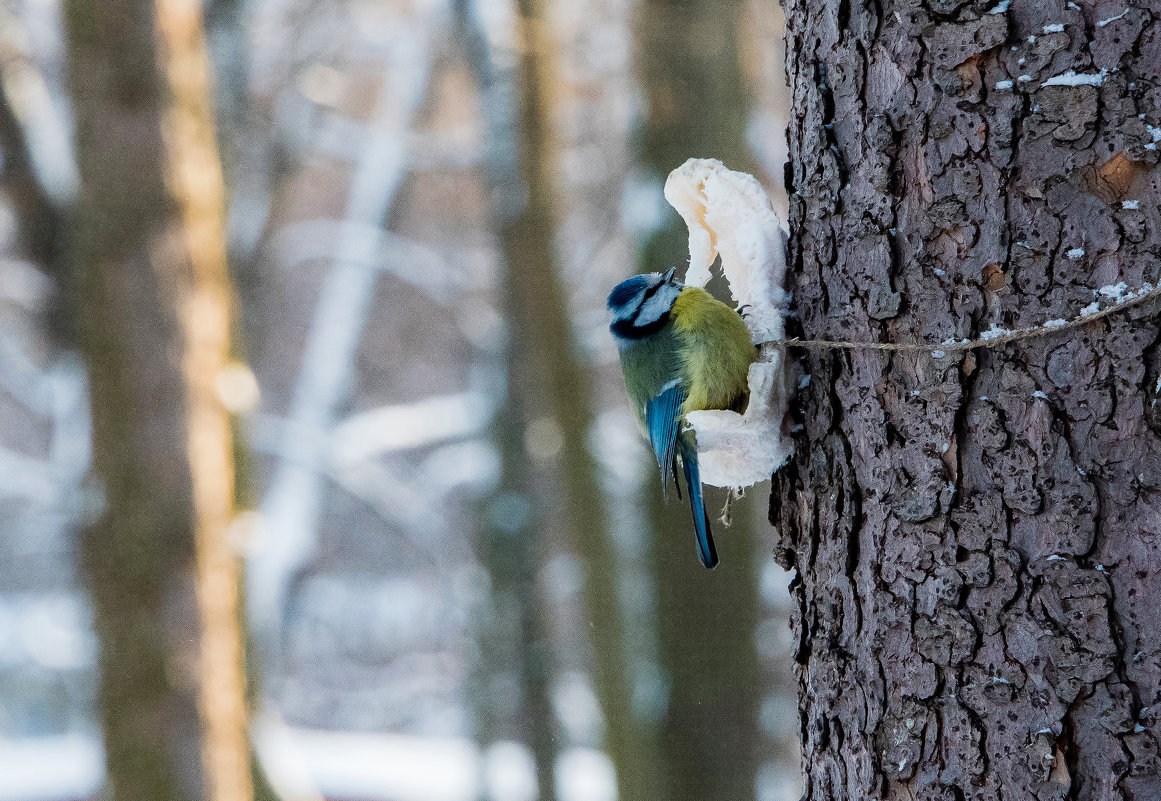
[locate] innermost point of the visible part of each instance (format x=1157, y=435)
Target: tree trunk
x=976, y=536
x=553, y=370
x=152, y=298
x=690, y=68
x=549, y=387
x=514, y=644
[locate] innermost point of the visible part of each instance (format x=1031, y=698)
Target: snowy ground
x=308, y=765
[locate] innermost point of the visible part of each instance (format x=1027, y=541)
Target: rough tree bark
x=976, y=537
x=152, y=297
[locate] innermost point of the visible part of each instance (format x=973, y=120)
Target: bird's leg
x=731, y=495
x=725, y=518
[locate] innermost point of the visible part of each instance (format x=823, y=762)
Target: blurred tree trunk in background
x=976, y=536
x=552, y=379
x=557, y=372
x=514, y=633
x=152, y=299
x=688, y=62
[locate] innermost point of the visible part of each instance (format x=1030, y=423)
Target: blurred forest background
x=460, y=581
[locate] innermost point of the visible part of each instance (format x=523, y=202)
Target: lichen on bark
x=975, y=536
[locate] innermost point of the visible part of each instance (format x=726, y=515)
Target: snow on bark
x=1072, y=78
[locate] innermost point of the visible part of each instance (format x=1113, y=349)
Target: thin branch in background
x=293, y=501
x=39, y=173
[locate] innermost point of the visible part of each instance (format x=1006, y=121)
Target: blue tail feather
x=663, y=422
x=687, y=449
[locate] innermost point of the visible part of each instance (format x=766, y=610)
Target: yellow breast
x=715, y=349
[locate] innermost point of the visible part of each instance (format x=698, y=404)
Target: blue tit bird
x=681, y=350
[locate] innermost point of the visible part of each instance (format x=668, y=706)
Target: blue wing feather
x=663, y=422
x=687, y=449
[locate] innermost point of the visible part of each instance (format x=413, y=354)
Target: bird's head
x=641, y=304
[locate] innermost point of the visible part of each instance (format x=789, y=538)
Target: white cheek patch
x=657, y=306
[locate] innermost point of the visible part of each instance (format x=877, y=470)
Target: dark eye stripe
x=650, y=292
x=627, y=329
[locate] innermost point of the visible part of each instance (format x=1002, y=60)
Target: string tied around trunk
x=990, y=339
